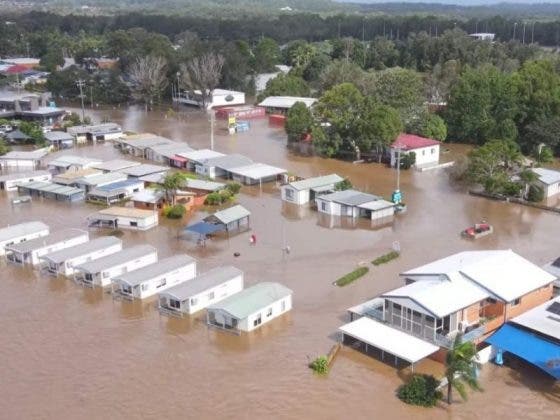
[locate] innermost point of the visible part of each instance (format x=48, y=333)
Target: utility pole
x=514, y=28
x=81, y=83
x=212, y=121
x=91, y=95
x=524, y=24
x=533, y=33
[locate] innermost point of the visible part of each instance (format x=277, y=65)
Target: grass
x=320, y=365
x=384, y=259
x=353, y=276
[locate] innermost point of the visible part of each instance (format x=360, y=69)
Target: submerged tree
x=203, y=73
x=148, y=76
x=461, y=368
x=171, y=183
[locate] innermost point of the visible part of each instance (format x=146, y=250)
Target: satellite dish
x=229, y=98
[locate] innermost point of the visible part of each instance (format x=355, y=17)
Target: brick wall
x=529, y=301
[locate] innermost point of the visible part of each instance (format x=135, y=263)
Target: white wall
x=425, y=155
x=22, y=238
x=13, y=184
x=335, y=209
x=23, y=163
x=143, y=223
x=67, y=267
x=299, y=197
x=380, y=214
x=150, y=287
x=36, y=254
x=247, y=324
x=550, y=190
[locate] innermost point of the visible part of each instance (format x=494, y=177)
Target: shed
x=256, y=173
x=143, y=170
x=59, y=139
x=115, y=192
x=21, y=232
x=101, y=271
x=115, y=165
x=198, y=156
x=233, y=218
x=155, y=278
x=50, y=190
x=250, y=308
x=301, y=192
x=71, y=163
x=11, y=181
x=206, y=289
x=220, y=166
x=124, y=218
x=549, y=181
x=22, y=159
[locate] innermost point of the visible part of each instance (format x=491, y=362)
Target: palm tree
x=171, y=183
x=461, y=368
x=528, y=177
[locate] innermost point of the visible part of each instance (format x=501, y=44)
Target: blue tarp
x=204, y=228
x=530, y=347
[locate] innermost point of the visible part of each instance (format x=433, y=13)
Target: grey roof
x=146, y=142
x=349, y=197
x=547, y=176
x=542, y=320
x=49, y=187
x=17, y=135
x=82, y=249
x=118, y=258
x=144, y=169
x=58, y=136
x=157, y=269
x=228, y=161
x=200, y=184
x=23, y=155
x=316, y=182
x=21, y=229
x=200, y=155
x=22, y=175
x=115, y=165
x=69, y=160
x=170, y=150
x=253, y=299
x=96, y=128
x=156, y=178
x=53, y=238
x=257, y=171
x=230, y=214
x=148, y=195
x=205, y=281
x=106, y=178
x=286, y=101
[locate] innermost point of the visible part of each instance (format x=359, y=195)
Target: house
x=352, y=203
x=100, y=272
x=256, y=173
x=64, y=261
x=281, y=104
x=250, y=308
x=70, y=178
x=10, y=182
x=472, y=292
x=483, y=36
x=149, y=199
x=30, y=252
x=206, y=289
x=230, y=219
x=67, y=163
x=426, y=150
x=27, y=62
x=549, y=181
x=153, y=180
x=115, y=165
x=143, y=170
x=53, y=191
x=155, y=278
x=59, y=139
x=553, y=268
x=88, y=183
x=197, y=157
x=30, y=107
x=201, y=188
x=137, y=144
x=124, y=218
x=304, y=191
x=21, y=232
x=17, y=136
x=220, y=166
x=533, y=336
x=262, y=79
x=244, y=112
x=95, y=133
x=115, y=192
x=167, y=153
x=218, y=97
x=21, y=159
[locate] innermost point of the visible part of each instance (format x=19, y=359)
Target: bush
x=408, y=160
x=218, y=198
x=512, y=189
x=353, y=276
x=175, y=212
x=386, y=258
x=421, y=390
x=320, y=365
x=536, y=194
x=233, y=187
x=345, y=184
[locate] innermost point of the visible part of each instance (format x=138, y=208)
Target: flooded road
x=75, y=353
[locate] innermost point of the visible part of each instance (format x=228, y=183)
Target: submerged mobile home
x=124, y=218
x=20, y=233
x=304, y=191
x=10, y=182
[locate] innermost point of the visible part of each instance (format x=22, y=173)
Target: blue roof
x=530, y=347
x=119, y=185
x=204, y=228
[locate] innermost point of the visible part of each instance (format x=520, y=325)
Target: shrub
x=320, y=365
x=345, y=184
x=233, y=187
x=386, y=258
x=512, y=189
x=218, y=198
x=408, y=160
x=420, y=390
x=536, y=194
x=175, y=212
x=350, y=277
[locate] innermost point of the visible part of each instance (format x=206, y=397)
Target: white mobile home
x=95, y=133
x=206, y=289
x=115, y=165
x=549, y=181
x=30, y=252
x=19, y=159
x=220, y=166
x=304, y=191
x=197, y=157
x=256, y=173
x=59, y=139
x=90, y=182
x=144, y=169
x=71, y=163
x=10, y=182
x=166, y=152
x=20, y=233
x=64, y=261
x=250, y=308
x=155, y=278
x=124, y=218
x=115, y=192
x=352, y=203
x=137, y=144
x=101, y=272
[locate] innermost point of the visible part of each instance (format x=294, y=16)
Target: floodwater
x=75, y=353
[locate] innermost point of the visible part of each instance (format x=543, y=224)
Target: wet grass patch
x=351, y=277
x=384, y=259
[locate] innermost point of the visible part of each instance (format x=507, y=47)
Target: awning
x=390, y=340
x=530, y=347
x=204, y=228
x=179, y=159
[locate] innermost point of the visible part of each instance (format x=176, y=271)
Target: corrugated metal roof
x=253, y=299
x=172, y=149
x=126, y=212
x=316, y=182
x=82, y=249
x=109, y=177
x=205, y=281
x=23, y=175
x=200, y=184
x=58, y=136
x=22, y=155
x=144, y=141
x=148, y=196
x=230, y=214
x=151, y=271
x=69, y=160
x=118, y=258
x=49, y=187
x=119, y=185
x=144, y=169
x=349, y=197
x=377, y=205
x=228, y=161
x=21, y=229
x=257, y=171
x=115, y=165
x=53, y=238
x=157, y=178
x=547, y=176
x=286, y=102
x=201, y=155
x=69, y=177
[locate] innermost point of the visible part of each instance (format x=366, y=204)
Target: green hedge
x=175, y=212
x=320, y=365
x=350, y=277
x=421, y=390
x=386, y=258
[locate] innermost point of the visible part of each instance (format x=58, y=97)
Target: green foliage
x=429, y=125
x=320, y=365
x=461, y=364
x=408, y=160
x=299, y=122
x=218, y=198
x=339, y=72
x=233, y=187
x=74, y=119
x=535, y=194
x=4, y=148
x=53, y=59
x=352, y=276
x=34, y=131
x=174, y=212
x=420, y=390
x=543, y=154
x=386, y=258
x=171, y=183
x=267, y=54
x=285, y=85
x=345, y=184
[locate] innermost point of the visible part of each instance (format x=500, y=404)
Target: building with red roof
x=425, y=149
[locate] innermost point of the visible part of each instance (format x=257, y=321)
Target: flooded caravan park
x=77, y=353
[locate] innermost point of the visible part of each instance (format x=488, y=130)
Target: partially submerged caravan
x=20, y=233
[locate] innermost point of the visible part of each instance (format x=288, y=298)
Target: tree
x=298, y=122
x=148, y=77
x=4, y=148
x=378, y=127
x=461, y=368
x=528, y=178
x=203, y=73
x=345, y=184
x=428, y=125
x=52, y=59
x=267, y=55
x=382, y=53
x=171, y=183
x=315, y=67
x=339, y=72
x=34, y=131
x=421, y=390
x=543, y=154
x=285, y=85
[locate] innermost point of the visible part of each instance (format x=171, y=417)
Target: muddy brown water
x=77, y=353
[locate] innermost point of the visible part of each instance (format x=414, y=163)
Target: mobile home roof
x=231, y=214
x=21, y=229
x=53, y=238
x=205, y=281
x=22, y=175
x=115, y=165
x=118, y=258
x=82, y=249
x=316, y=182
x=157, y=269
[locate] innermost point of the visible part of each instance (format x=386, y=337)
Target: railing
x=166, y=310
x=376, y=314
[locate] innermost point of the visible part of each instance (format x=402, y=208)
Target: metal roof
x=144, y=141
x=203, y=282
x=107, y=178
x=200, y=155
x=144, y=169
x=253, y=299
x=69, y=177
x=547, y=176
x=22, y=155
x=116, y=259
x=94, y=245
x=115, y=165
x=96, y=128
x=160, y=268
x=540, y=319
x=230, y=214
x=286, y=101
x=157, y=178
x=126, y=212
x=257, y=171
x=349, y=197
x=69, y=160
x=172, y=149
x=377, y=205
x=51, y=239
x=22, y=229
x=316, y=182
x=228, y=161
x=148, y=196
x=49, y=187
x=119, y=185
x=23, y=175
x=58, y=136
x=200, y=184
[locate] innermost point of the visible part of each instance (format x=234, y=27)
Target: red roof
x=412, y=141
x=17, y=68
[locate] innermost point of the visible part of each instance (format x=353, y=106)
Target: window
x=257, y=321
x=174, y=303
x=433, y=150
x=283, y=306
x=134, y=224
x=161, y=283
x=323, y=206
x=289, y=194
x=210, y=295
x=423, y=153
x=145, y=287
x=194, y=301
x=516, y=302
x=269, y=312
